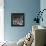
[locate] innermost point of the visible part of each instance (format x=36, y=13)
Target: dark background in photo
x=17, y=19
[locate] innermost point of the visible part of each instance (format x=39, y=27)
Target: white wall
x=1, y=20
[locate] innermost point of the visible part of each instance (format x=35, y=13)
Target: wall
x=29, y=8
x=43, y=6
x=1, y=20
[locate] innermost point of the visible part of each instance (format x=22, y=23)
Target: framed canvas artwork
x=17, y=19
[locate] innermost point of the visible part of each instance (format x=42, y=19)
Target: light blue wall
x=43, y=6
x=29, y=7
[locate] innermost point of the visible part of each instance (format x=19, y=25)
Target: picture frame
x=17, y=19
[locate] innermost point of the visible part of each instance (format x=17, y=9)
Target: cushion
x=20, y=42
